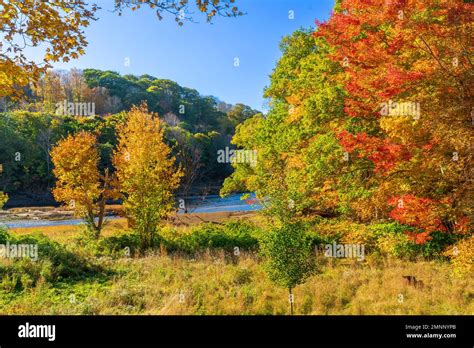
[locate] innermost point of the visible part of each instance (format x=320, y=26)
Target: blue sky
x=199, y=55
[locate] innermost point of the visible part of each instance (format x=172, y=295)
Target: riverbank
x=61, y=216
x=176, y=219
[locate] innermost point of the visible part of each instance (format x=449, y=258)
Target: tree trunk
x=101, y=216
x=291, y=300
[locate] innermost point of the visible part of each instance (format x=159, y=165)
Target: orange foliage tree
x=407, y=68
x=79, y=182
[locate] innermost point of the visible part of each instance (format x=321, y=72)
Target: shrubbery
x=288, y=256
x=462, y=256
x=387, y=238
x=54, y=263
x=57, y=262
x=113, y=246
x=228, y=236
x=243, y=235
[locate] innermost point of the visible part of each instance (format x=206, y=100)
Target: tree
x=55, y=87
x=59, y=27
x=24, y=151
x=195, y=112
x=370, y=118
x=56, y=24
x=145, y=171
x=180, y=9
x=49, y=91
x=3, y=199
x=79, y=183
x=301, y=171
x=289, y=260
x=407, y=68
x=189, y=151
x=239, y=113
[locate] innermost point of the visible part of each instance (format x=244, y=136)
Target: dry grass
x=64, y=234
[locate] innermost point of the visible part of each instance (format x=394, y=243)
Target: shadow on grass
x=44, y=261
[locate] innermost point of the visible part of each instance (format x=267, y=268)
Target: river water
x=208, y=204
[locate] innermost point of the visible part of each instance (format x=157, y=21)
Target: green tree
x=3, y=199
x=289, y=259
x=301, y=170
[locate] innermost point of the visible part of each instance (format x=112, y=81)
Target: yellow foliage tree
x=58, y=27
x=79, y=182
x=145, y=172
x=462, y=256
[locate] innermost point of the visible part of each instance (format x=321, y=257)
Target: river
x=196, y=204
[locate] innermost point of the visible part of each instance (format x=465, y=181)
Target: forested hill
x=112, y=93
x=200, y=113
x=196, y=126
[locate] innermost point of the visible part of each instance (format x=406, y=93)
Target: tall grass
x=196, y=271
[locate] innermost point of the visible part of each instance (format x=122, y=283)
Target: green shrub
x=54, y=263
x=114, y=246
x=3, y=199
x=119, y=245
x=327, y=231
x=288, y=256
x=226, y=237
x=391, y=239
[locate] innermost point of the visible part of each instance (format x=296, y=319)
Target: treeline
x=196, y=126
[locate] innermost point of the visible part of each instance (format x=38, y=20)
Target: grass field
x=216, y=282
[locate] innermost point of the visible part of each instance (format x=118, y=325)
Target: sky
x=199, y=55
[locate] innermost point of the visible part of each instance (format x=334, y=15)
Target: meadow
x=212, y=268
